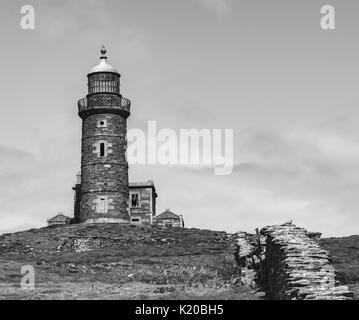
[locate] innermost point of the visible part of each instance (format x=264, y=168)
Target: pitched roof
x=167, y=215
x=59, y=217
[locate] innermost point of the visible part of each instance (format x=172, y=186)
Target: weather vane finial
x=103, y=52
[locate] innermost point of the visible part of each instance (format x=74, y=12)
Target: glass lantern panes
x=104, y=83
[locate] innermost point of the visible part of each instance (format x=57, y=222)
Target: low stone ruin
x=289, y=263
x=247, y=257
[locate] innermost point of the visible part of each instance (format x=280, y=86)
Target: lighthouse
x=103, y=193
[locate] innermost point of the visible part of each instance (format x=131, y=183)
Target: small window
x=135, y=200
x=102, y=149
x=102, y=123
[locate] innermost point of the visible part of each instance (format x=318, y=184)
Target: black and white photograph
x=173, y=151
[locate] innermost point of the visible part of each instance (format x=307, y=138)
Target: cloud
x=309, y=174
x=316, y=169
x=219, y=7
x=32, y=190
x=57, y=19
x=10, y=156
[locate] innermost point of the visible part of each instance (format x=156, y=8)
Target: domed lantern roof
x=103, y=66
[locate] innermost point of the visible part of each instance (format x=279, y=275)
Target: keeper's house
x=142, y=202
x=169, y=219
x=59, y=220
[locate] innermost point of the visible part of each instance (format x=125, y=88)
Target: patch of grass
x=345, y=254
x=125, y=262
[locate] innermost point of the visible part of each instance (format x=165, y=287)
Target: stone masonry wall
x=297, y=268
x=104, y=180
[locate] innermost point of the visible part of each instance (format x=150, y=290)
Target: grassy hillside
x=121, y=262
x=345, y=253
x=129, y=262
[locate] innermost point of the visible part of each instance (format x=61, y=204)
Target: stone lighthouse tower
x=104, y=189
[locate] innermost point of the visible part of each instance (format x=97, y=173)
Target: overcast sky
x=263, y=68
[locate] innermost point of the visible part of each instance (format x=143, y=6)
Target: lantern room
x=103, y=78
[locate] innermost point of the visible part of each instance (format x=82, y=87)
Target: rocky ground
x=122, y=262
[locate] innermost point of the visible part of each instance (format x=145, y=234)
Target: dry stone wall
x=246, y=256
x=297, y=268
